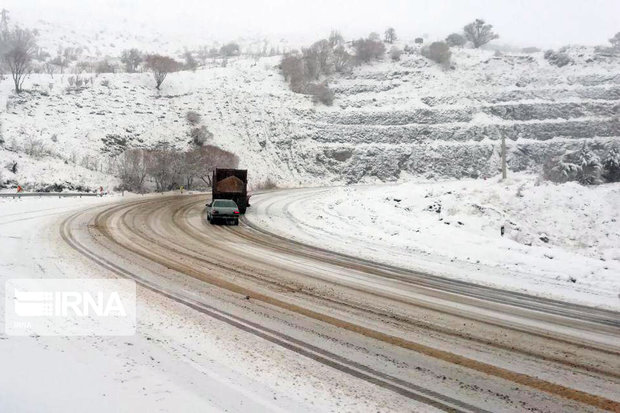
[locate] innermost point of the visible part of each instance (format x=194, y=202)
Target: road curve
x=448, y=344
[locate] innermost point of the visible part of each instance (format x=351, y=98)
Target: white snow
x=452, y=229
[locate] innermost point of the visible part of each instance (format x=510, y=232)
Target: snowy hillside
x=389, y=119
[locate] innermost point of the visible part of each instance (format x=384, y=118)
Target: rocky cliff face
x=425, y=120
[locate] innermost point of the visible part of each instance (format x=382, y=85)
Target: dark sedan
x=223, y=210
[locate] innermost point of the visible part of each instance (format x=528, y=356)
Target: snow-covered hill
x=389, y=119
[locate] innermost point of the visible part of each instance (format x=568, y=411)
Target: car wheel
x=236, y=222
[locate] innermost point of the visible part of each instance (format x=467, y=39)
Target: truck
x=231, y=184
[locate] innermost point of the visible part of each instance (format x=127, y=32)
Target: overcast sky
x=545, y=23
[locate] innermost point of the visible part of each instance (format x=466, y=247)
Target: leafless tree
x=19, y=47
x=342, y=59
x=203, y=54
x=211, y=157
x=131, y=169
x=190, y=61
x=132, y=59
x=479, y=33
x=163, y=166
x=390, y=35
x=161, y=66
x=325, y=56
x=61, y=62
x=368, y=49
x=311, y=63
x=615, y=41
x=50, y=69
x=292, y=67
x=335, y=39
x=230, y=49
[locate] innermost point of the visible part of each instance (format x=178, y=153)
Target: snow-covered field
x=561, y=241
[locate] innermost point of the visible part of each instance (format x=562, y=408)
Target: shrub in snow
x=342, y=59
x=266, y=184
x=395, y=53
x=230, y=49
x=558, y=59
x=105, y=67
x=611, y=165
x=193, y=117
x=590, y=167
x=368, y=49
x=583, y=166
x=200, y=135
x=321, y=93
x=456, y=39
x=530, y=50
x=131, y=58
x=438, y=52
x=559, y=170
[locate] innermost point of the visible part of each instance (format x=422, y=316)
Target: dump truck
x=231, y=184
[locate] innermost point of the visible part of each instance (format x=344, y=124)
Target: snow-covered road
x=180, y=360
x=233, y=319
x=560, y=242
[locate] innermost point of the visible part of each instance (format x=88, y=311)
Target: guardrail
x=41, y=194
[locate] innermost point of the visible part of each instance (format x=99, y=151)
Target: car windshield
x=224, y=203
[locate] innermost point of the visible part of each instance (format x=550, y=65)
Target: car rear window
x=224, y=203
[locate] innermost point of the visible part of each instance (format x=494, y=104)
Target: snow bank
x=561, y=241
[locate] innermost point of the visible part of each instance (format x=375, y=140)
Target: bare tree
x=190, y=62
x=479, y=33
x=50, y=69
x=211, y=157
x=335, y=38
x=368, y=49
x=61, y=62
x=390, y=35
x=131, y=169
x=325, y=56
x=342, y=59
x=19, y=48
x=615, y=41
x=203, y=54
x=230, y=49
x=162, y=166
x=132, y=59
x=161, y=66
x=292, y=67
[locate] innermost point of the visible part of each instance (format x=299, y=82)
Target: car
x=223, y=210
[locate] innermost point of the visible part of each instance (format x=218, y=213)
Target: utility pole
x=503, y=157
